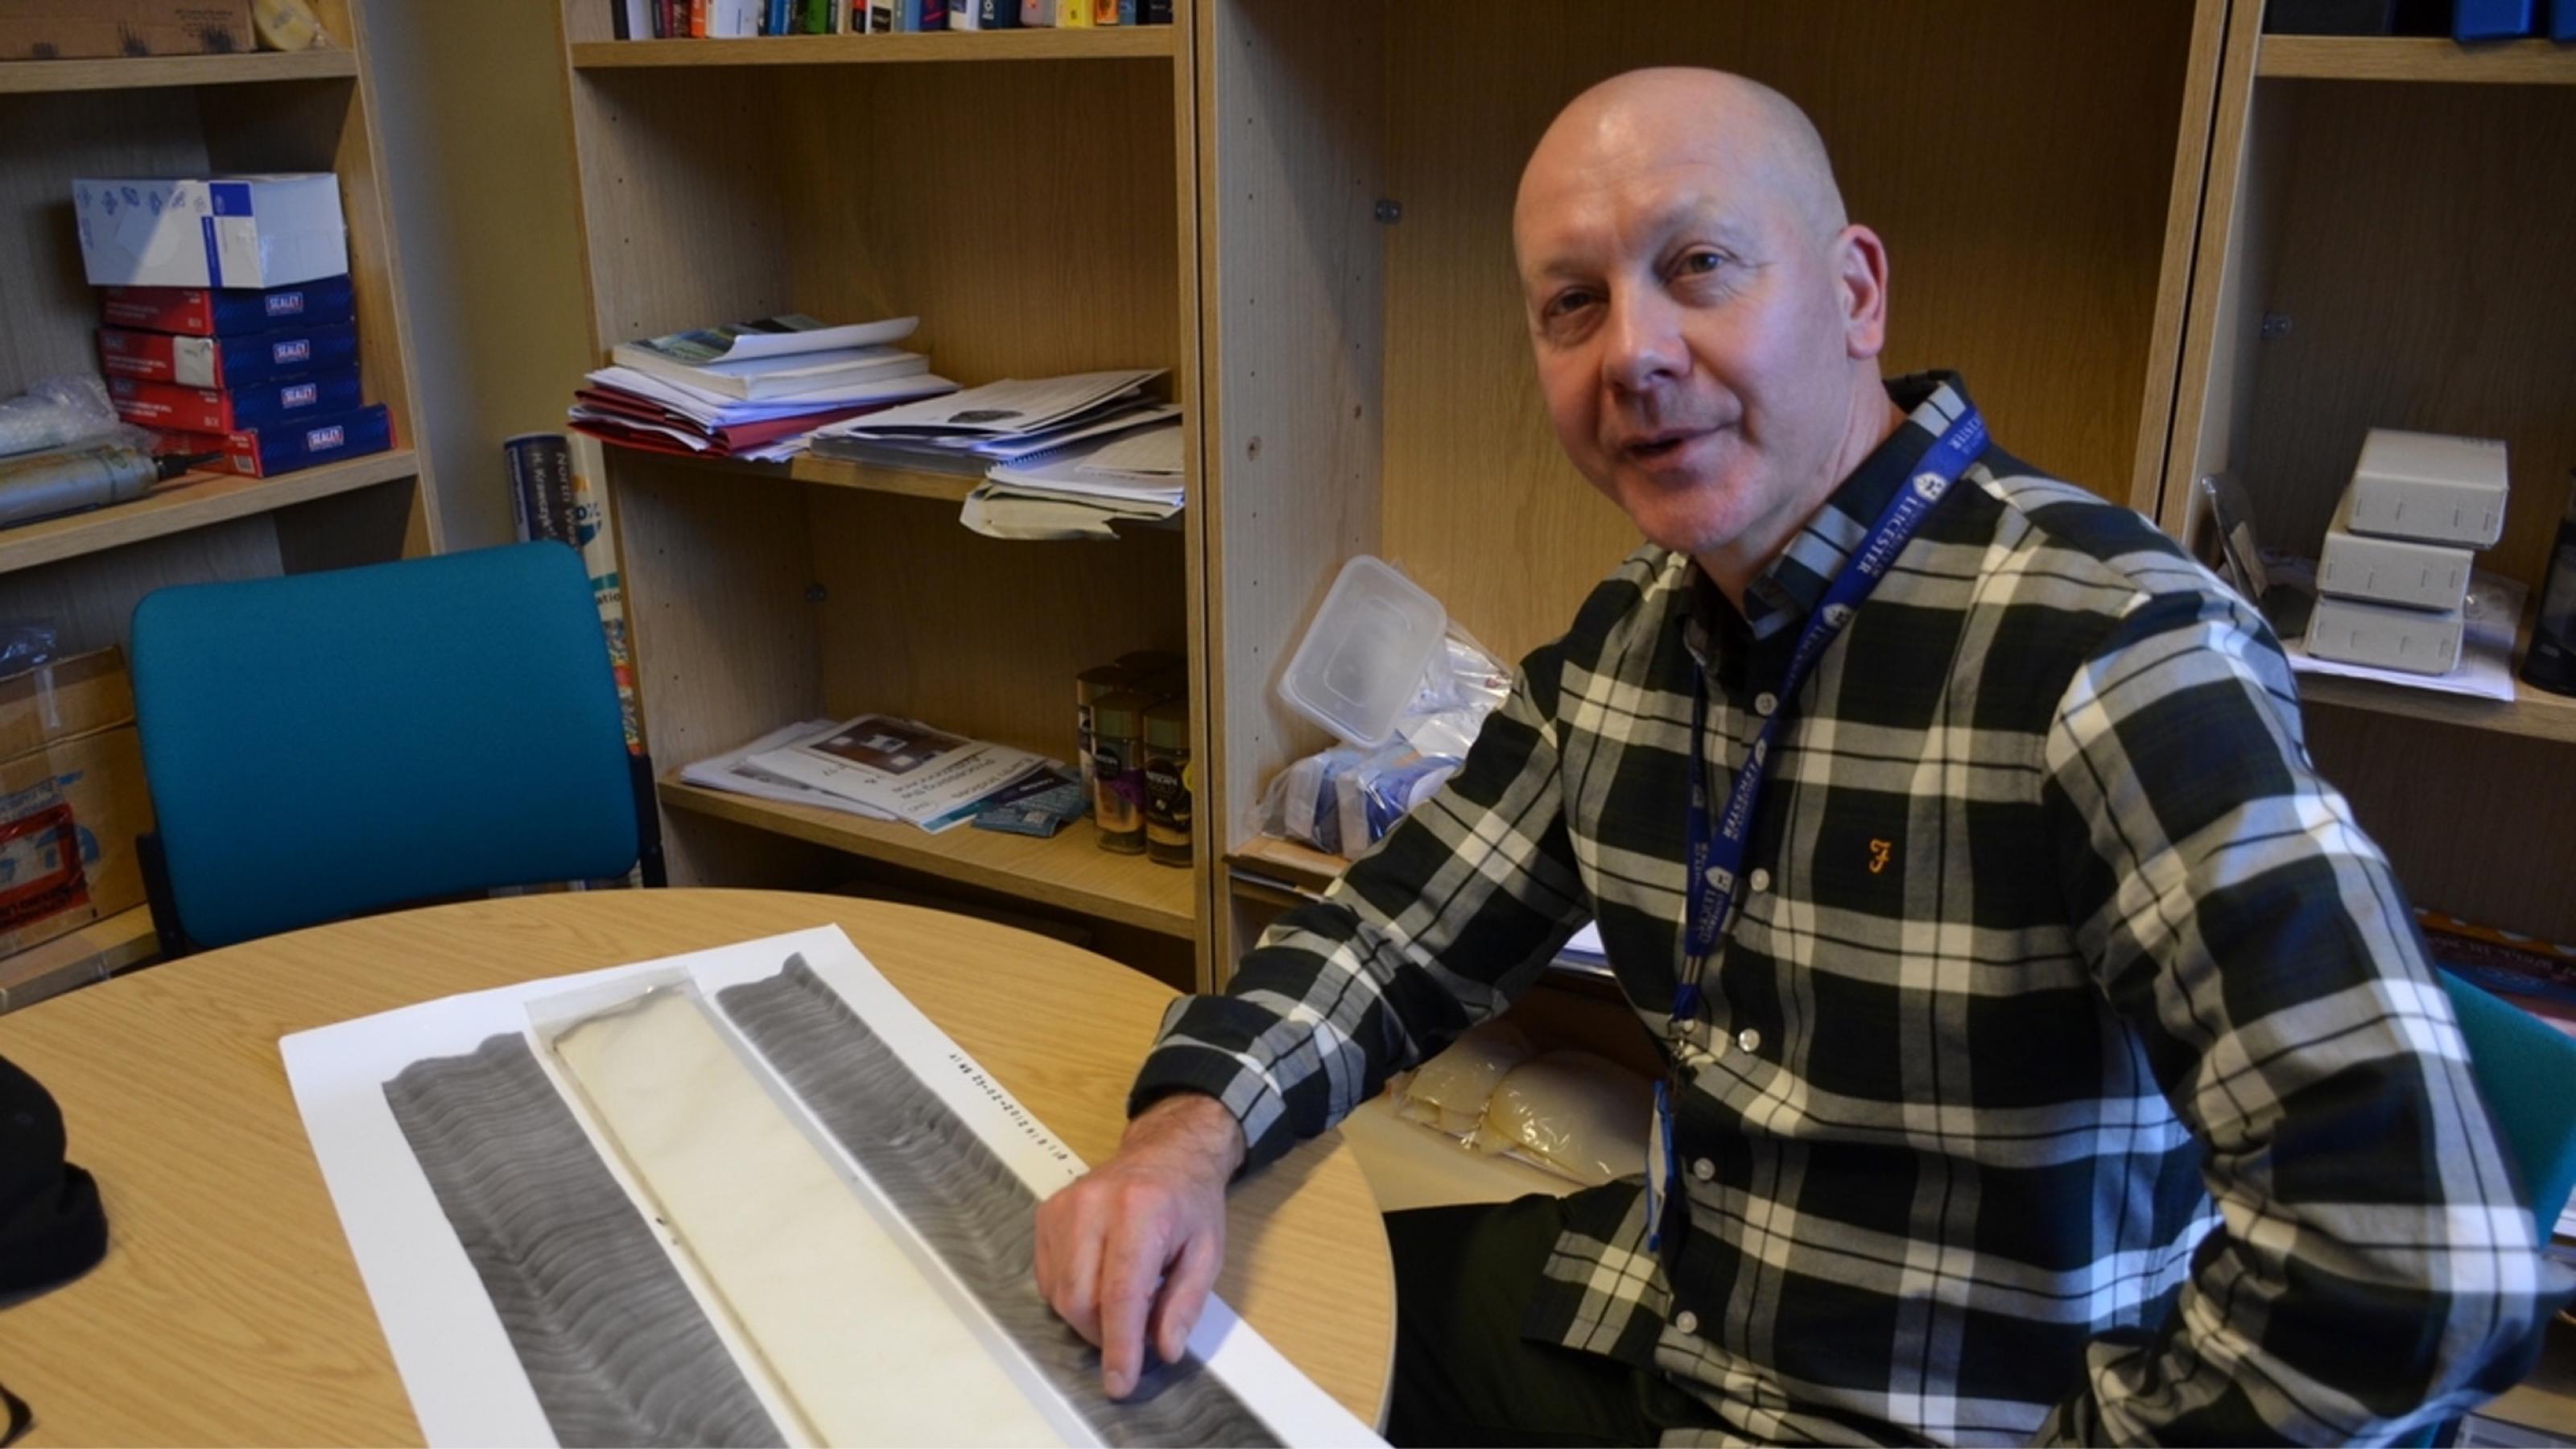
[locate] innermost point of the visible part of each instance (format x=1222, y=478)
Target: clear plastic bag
x=56, y=413
x=1450, y=1091
x=1345, y=799
x=1573, y=1113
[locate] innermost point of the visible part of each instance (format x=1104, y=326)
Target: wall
x=478, y=152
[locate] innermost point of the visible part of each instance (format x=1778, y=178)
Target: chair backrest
x=331, y=743
x=2526, y=1070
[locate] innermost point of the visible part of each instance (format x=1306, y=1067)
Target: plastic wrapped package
x=1573, y=1113
x=1450, y=1091
x=58, y=412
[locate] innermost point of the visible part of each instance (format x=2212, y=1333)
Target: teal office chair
x=2526, y=1070
x=328, y=744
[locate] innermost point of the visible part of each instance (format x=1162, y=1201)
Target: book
x=594, y=532
x=778, y=20
x=903, y=768
x=763, y=378
x=770, y=337
x=631, y=19
x=225, y=362
x=1106, y=12
x=540, y=468
x=998, y=14
x=222, y=410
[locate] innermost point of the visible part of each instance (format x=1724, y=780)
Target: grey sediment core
x=972, y=1210
x=616, y=1347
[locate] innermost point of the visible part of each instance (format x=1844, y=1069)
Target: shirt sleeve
x=2374, y=1269
x=1439, y=926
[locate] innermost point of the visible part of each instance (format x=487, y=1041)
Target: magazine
x=903, y=768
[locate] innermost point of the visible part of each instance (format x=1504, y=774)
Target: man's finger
x=1128, y=1274
x=1078, y=1296
x=1185, y=1295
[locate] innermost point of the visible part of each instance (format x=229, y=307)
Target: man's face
x=1692, y=332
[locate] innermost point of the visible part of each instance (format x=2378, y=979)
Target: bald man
x=2049, y=1053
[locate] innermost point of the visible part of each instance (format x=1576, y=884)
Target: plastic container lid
x=1167, y=726
x=1362, y=658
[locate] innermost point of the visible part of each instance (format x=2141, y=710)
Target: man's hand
x=1136, y=1243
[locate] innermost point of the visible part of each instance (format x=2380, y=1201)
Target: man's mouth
x=1659, y=445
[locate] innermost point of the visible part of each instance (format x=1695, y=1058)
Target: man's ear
x=1860, y=278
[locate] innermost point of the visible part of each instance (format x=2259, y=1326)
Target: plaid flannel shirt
x=2072, y=1068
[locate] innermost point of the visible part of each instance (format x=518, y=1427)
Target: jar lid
x=1167, y=726
x=1119, y=716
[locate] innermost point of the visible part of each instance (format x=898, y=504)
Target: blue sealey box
x=2491, y=19
x=285, y=448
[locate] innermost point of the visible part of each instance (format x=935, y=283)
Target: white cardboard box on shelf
x=2430, y=486
x=2390, y=570
x=224, y=231
x=2383, y=636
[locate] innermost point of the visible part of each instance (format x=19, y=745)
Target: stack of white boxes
x=2394, y=571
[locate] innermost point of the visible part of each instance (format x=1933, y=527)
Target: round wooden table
x=228, y=1310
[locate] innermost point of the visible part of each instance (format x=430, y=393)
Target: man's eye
x=1702, y=262
x=1565, y=304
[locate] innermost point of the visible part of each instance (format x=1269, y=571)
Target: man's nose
x=1643, y=346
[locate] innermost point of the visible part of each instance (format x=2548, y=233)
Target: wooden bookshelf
x=193, y=501
x=2313, y=318
x=2408, y=58
x=1070, y=871
x=142, y=72
x=1105, y=43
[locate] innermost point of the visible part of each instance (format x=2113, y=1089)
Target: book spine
x=1106, y=12
x=595, y=534
x=1130, y=13
x=998, y=14
x=1073, y=14
x=1037, y=12
x=934, y=14
x=617, y=20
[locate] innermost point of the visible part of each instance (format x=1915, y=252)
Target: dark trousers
x=1463, y=1373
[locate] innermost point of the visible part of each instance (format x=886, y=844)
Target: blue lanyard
x=1717, y=846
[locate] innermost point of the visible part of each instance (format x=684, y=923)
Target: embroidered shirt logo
x=1879, y=851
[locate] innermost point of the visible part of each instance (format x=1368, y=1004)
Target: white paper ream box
x=2384, y=637
x=2390, y=570
x=2430, y=486
x=225, y=231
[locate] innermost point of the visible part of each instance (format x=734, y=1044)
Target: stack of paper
x=754, y=390
x=876, y=766
x=967, y=432
x=1081, y=489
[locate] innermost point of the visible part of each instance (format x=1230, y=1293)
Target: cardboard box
x=72, y=29
x=268, y=452
x=223, y=231
x=209, y=312
x=72, y=799
x=219, y=362
x=226, y=410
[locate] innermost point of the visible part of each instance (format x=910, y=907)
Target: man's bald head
x=1706, y=321
x=1682, y=115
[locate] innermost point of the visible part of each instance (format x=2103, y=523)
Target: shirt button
x=1703, y=1169
x=1760, y=880
x=1686, y=1321
x=1749, y=1039
x=1765, y=703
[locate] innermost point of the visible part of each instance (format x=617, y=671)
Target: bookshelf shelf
x=214, y=498
x=1070, y=871
x=2404, y=58
x=146, y=72
x=1110, y=43
x=2534, y=713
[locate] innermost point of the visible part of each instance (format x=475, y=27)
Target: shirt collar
x=1783, y=594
